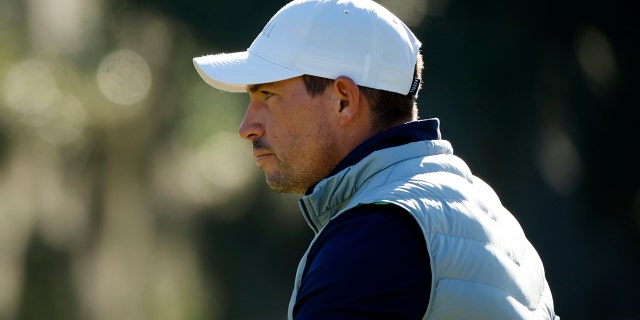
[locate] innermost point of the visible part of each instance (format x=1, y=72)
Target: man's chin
x=280, y=187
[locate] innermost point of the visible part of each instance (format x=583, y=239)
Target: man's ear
x=348, y=95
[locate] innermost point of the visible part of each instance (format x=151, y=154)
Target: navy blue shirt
x=371, y=262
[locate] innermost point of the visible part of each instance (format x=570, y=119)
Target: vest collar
x=332, y=194
x=428, y=129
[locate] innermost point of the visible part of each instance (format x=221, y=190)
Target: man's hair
x=387, y=107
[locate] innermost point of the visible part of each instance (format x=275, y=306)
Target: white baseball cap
x=358, y=39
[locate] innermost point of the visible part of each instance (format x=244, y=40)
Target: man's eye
x=267, y=94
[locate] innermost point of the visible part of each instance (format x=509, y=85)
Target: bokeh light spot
x=64, y=120
x=124, y=77
x=29, y=87
x=559, y=161
x=596, y=58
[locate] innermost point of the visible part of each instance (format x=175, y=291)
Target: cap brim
x=234, y=71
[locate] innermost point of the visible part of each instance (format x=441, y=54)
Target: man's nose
x=251, y=128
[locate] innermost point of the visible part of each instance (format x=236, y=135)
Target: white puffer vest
x=483, y=266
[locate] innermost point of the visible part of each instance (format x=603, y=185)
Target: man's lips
x=260, y=153
x=261, y=150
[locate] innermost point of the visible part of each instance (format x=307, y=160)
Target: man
x=403, y=230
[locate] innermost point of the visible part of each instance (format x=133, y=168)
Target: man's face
x=293, y=135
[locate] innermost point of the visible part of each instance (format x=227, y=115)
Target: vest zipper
x=307, y=217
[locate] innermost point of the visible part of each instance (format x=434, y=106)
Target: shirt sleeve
x=371, y=262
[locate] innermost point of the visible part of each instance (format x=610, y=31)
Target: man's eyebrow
x=253, y=88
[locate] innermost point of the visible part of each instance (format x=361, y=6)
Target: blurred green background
x=125, y=192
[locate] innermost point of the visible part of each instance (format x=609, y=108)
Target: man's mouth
x=259, y=154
